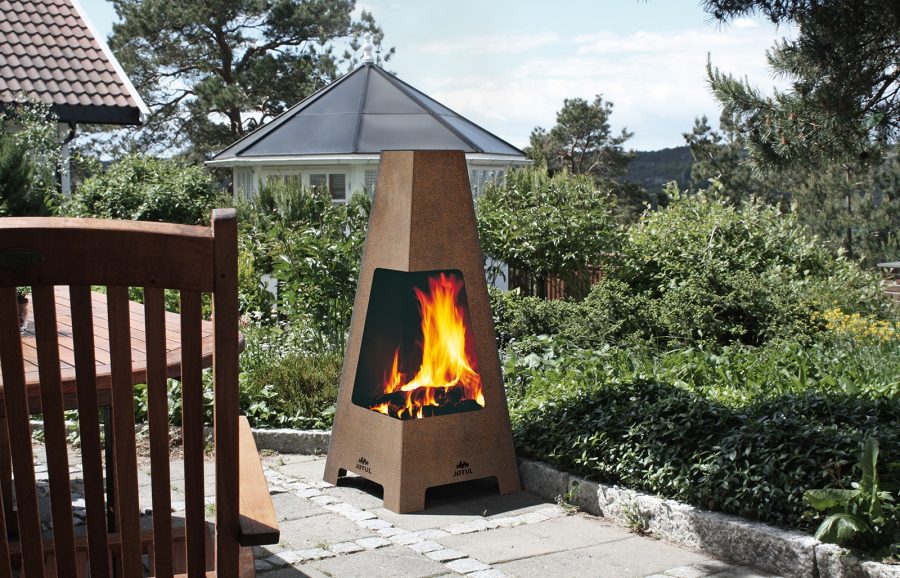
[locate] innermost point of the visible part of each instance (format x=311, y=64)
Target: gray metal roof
x=365, y=112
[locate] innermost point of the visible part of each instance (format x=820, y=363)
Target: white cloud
x=745, y=23
x=656, y=80
x=490, y=44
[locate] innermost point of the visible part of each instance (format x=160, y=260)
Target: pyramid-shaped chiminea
x=421, y=399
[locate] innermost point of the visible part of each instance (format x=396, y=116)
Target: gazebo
x=334, y=137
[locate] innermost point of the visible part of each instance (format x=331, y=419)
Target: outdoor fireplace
x=421, y=400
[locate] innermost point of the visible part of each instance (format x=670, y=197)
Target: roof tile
x=49, y=53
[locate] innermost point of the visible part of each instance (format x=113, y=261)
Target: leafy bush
x=173, y=392
x=147, y=189
x=517, y=317
x=312, y=249
x=753, y=460
x=29, y=158
x=602, y=316
x=557, y=225
x=15, y=179
x=702, y=270
x=284, y=386
x=732, y=375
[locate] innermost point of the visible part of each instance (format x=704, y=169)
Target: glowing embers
x=418, y=356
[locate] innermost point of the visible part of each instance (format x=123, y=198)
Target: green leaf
x=838, y=528
x=868, y=461
x=829, y=498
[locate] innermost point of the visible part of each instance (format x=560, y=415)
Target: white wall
x=246, y=179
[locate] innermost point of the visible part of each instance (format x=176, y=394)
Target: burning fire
x=448, y=375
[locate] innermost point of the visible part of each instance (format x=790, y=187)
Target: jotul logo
x=462, y=469
x=363, y=465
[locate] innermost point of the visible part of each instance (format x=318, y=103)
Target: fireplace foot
x=508, y=485
x=410, y=500
x=332, y=473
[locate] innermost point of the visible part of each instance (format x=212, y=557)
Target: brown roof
x=49, y=53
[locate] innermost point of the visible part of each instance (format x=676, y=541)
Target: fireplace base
x=408, y=457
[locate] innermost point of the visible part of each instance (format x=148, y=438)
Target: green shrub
x=549, y=225
x=173, y=392
x=754, y=460
x=701, y=270
x=29, y=159
x=517, y=318
x=15, y=179
x=282, y=384
x=312, y=248
x=147, y=189
x=604, y=315
x=865, y=515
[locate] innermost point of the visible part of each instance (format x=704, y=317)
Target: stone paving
x=467, y=529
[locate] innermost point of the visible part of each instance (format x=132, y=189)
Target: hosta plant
x=865, y=515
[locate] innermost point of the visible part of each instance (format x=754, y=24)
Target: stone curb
x=730, y=538
x=292, y=441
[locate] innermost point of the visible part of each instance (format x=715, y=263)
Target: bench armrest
x=259, y=526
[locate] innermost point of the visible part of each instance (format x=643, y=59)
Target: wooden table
x=102, y=357
x=101, y=347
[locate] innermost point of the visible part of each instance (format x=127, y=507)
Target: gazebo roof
x=363, y=113
x=50, y=53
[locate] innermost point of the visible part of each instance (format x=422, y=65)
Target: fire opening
x=418, y=356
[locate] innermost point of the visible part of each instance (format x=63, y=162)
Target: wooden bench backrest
x=79, y=253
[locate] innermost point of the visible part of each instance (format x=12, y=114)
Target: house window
x=243, y=183
x=336, y=183
x=369, y=184
x=477, y=180
x=283, y=179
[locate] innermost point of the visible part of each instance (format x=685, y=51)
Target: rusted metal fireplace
x=421, y=400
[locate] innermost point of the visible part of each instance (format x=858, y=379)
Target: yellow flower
x=860, y=327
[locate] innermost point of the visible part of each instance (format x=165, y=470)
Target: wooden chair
x=81, y=253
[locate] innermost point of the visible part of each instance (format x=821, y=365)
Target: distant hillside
x=653, y=169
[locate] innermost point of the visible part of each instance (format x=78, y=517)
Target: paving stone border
x=421, y=542
x=727, y=537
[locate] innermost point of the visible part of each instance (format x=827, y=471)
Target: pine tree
x=582, y=140
x=213, y=71
x=844, y=100
x=721, y=155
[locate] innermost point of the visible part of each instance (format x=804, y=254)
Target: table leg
x=106, y=413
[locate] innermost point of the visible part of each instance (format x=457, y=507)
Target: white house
x=334, y=137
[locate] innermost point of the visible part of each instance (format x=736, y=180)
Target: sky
x=507, y=65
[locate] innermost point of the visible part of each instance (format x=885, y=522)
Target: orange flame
x=446, y=375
